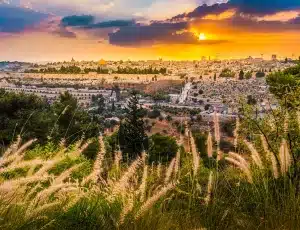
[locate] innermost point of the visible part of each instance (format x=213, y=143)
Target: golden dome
x=102, y=62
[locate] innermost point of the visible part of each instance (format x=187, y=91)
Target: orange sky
x=47, y=47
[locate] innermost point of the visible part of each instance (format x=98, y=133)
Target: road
x=185, y=93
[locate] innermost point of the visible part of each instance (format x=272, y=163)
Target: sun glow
x=202, y=37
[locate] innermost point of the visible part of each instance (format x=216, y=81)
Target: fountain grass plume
x=177, y=162
x=44, y=208
x=209, y=144
x=122, y=185
x=25, y=146
x=254, y=154
x=196, y=158
x=118, y=159
x=65, y=174
x=158, y=170
x=242, y=164
x=9, y=185
x=170, y=170
x=43, y=196
x=217, y=128
x=46, y=167
x=13, y=147
x=142, y=189
x=97, y=168
x=236, y=132
x=152, y=200
x=209, y=188
x=22, y=164
x=270, y=157
x=127, y=208
x=284, y=157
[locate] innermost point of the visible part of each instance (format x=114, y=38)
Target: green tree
x=285, y=85
x=241, y=75
x=26, y=115
x=162, y=148
x=248, y=75
x=227, y=73
x=72, y=122
x=132, y=136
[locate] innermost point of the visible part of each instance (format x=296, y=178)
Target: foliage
x=162, y=148
x=132, y=137
x=32, y=117
x=285, y=85
x=227, y=73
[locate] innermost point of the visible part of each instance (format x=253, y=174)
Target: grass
x=65, y=190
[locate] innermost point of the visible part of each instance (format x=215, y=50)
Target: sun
x=202, y=37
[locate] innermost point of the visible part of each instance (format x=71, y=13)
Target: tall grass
x=67, y=191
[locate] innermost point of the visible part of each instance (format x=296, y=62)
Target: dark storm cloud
x=263, y=7
x=88, y=22
x=244, y=19
x=156, y=33
x=14, y=19
x=250, y=7
x=144, y=34
x=75, y=20
x=109, y=24
x=204, y=10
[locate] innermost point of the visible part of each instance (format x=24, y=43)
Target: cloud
x=15, y=19
x=263, y=7
x=109, y=24
x=74, y=20
x=157, y=33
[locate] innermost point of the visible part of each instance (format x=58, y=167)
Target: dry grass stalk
x=46, y=167
x=79, y=151
x=9, y=185
x=97, y=169
x=142, y=189
x=209, y=145
x=217, y=128
x=286, y=123
x=25, y=146
x=33, y=213
x=152, y=200
x=22, y=164
x=170, y=170
x=64, y=175
x=254, y=154
x=122, y=185
x=158, y=170
x=242, y=164
x=177, y=162
x=42, y=196
x=74, y=200
x=209, y=188
x=118, y=159
x=236, y=133
x=13, y=148
x=284, y=157
x=196, y=158
x=270, y=156
x=127, y=208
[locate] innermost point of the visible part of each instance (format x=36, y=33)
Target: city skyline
x=146, y=30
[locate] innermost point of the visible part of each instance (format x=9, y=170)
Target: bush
x=154, y=114
x=162, y=148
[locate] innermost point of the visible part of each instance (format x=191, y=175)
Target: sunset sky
x=43, y=30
